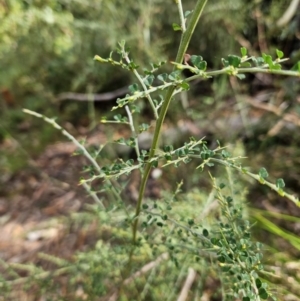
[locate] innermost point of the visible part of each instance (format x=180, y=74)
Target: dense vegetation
x=197, y=234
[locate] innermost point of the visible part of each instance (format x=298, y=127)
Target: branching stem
x=79, y=145
x=182, y=19
x=125, y=55
x=134, y=133
x=186, y=37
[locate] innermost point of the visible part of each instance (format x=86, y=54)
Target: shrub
x=178, y=245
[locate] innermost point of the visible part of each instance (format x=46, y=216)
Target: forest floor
x=37, y=202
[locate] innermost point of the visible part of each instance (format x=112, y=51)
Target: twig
x=140, y=79
x=68, y=135
x=182, y=19
x=187, y=285
x=36, y=275
x=260, y=31
x=238, y=37
x=289, y=13
x=79, y=145
x=96, y=97
x=288, y=117
x=134, y=133
x=139, y=273
x=241, y=107
x=93, y=195
x=258, y=178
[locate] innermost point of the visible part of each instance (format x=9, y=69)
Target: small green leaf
x=215, y=241
x=202, y=65
x=205, y=232
x=222, y=185
x=130, y=142
x=246, y=65
x=234, y=60
x=279, y=53
x=275, y=67
x=143, y=127
x=122, y=43
x=229, y=199
x=121, y=101
x=225, y=62
x=258, y=61
x=225, y=154
x=241, y=76
x=176, y=27
x=133, y=88
x=204, y=155
x=175, y=75
x=244, y=51
x=244, y=170
x=168, y=157
x=148, y=80
x=117, y=117
x=130, y=162
x=191, y=222
x=100, y=59
x=263, y=293
x=263, y=173
x=135, y=109
x=162, y=77
x=280, y=183
x=185, y=86
x=296, y=67
x=168, y=148
x=222, y=259
x=268, y=60
x=187, y=13
x=197, y=61
x=258, y=283
x=132, y=66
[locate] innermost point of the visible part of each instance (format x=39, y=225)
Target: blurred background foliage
x=47, y=47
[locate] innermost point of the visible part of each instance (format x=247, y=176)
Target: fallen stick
x=93, y=97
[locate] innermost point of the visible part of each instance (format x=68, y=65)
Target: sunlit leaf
x=263, y=173
x=243, y=51
x=176, y=27
x=279, y=53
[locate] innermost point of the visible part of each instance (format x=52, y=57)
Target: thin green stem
x=243, y=70
x=114, y=121
x=125, y=55
x=204, y=75
x=271, y=71
x=292, y=198
x=68, y=135
x=186, y=37
x=135, y=136
x=181, y=15
x=148, y=95
x=93, y=194
x=79, y=145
